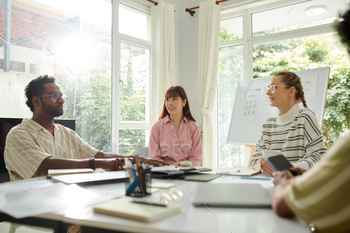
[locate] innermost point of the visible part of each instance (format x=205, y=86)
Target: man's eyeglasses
x=55, y=97
x=271, y=88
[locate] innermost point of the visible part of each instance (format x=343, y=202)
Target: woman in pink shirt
x=176, y=136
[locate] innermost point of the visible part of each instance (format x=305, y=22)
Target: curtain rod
x=155, y=3
x=192, y=12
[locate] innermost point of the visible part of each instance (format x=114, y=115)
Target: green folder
x=200, y=177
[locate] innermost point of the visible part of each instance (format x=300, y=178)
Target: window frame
x=117, y=39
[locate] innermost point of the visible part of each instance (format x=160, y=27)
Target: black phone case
x=280, y=163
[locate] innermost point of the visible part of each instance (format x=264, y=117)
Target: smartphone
x=280, y=163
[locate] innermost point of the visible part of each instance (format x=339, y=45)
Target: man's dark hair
x=36, y=88
x=343, y=28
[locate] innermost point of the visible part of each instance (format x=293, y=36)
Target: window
x=61, y=39
x=133, y=123
x=229, y=74
x=231, y=29
x=74, y=44
x=282, y=38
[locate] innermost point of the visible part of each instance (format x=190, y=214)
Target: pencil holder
x=138, y=182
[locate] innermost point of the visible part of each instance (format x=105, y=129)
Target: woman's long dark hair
x=177, y=91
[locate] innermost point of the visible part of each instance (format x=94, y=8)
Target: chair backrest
x=142, y=152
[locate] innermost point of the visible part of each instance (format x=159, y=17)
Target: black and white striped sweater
x=297, y=134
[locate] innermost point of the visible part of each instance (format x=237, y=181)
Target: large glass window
x=74, y=44
x=134, y=82
x=134, y=26
x=229, y=74
x=69, y=42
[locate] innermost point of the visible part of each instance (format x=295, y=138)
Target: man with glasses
x=37, y=144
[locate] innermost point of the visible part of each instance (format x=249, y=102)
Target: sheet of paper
x=166, y=168
x=309, y=86
x=10, y=187
x=47, y=199
x=251, y=104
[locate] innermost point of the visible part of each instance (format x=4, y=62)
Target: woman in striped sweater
x=295, y=131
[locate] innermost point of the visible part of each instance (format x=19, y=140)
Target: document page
x=47, y=199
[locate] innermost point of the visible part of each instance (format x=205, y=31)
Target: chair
x=142, y=152
x=251, y=154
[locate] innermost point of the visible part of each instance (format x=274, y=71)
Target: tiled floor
x=5, y=227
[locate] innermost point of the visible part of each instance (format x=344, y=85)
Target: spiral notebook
x=125, y=208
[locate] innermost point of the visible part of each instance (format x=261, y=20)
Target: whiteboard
x=251, y=108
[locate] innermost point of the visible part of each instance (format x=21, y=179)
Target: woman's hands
x=265, y=167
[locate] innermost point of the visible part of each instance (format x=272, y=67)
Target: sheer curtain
x=208, y=58
x=163, y=55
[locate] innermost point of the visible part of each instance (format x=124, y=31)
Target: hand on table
x=265, y=167
x=154, y=162
x=113, y=164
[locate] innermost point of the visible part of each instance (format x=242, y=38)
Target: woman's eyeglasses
x=55, y=97
x=271, y=88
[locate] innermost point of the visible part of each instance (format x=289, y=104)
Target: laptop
x=231, y=195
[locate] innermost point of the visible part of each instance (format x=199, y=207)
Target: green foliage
x=93, y=120
x=226, y=36
x=317, y=51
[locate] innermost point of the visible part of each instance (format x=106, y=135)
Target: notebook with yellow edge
x=125, y=208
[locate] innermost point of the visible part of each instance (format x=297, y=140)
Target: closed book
x=58, y=172
x=125, y=208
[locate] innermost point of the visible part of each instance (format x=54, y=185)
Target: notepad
x=125, y=208
x=201, y=177
x=58, y=172
x=162, y=185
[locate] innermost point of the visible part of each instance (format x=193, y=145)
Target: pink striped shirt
x=166, y=145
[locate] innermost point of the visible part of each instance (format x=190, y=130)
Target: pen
x=255, y=178
x=139, y=171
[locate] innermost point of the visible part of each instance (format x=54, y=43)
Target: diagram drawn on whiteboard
x=251, y=104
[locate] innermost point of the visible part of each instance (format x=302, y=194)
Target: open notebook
x=125, y=208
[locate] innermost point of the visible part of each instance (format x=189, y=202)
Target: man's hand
x=298, y=169
x=278, y=203
x=282, y=178
x=109, y=164
x=265, y=167
x=154, y=162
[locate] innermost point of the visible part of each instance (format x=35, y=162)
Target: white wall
x=189, y=53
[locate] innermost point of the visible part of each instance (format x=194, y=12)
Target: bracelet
x=92, y=163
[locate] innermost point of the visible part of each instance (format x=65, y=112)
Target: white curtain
x=163, y=55
x=208, y=58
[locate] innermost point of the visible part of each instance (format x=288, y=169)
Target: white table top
x=192, y=219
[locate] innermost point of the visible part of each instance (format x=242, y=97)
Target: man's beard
x=54, y=112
